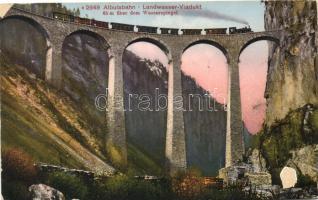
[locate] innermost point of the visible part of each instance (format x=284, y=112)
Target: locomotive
x=234, y=30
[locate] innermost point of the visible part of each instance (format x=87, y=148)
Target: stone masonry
x=173, y=45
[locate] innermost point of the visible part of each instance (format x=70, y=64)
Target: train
x=79, y=20
x=172, y=31
x=191, y=31
x=146, y=29
x=123, y=27
x=210, y=31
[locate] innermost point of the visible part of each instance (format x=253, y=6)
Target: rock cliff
x=17, y=46
x=293, y=71
x=85, y=77
x=290, y=131
x=205, y=128
x=145, y=124
x=305, y=160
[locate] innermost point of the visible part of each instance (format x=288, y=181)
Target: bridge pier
x=53, y=71
x=234, y=148
x=116, y=146
x=175, y=136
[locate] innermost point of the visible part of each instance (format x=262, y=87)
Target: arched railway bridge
x=173, y=46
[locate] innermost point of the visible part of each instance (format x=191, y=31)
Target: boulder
x=234, y=174
x=269, y=191
x=288, y=177
x=257, y=161
x=41, y=191
x=297, y=193
x=306, y=161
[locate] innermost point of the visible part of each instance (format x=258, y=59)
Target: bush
x=230, y=193
x=122, y=187
x=188, y=185
x=70, y=185
x=17, y=165
x=305, y=181
x=14, y=190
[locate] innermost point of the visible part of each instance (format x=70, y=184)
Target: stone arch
x=146, y=128
x=164, y=47
x=254, y=79
x=89, y=44
x=85, y=74
x=103, y=41
x=256, y=39
x=43, y=73
x=204, y=115
x=210, y=42
x=31, y=21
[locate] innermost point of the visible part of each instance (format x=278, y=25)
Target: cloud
x=181, y=21
x=214, y=15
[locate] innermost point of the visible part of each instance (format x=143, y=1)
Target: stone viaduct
x=173, y=46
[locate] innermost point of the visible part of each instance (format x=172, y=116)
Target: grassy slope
x=49, y=126
x=43, y=122
x=22, y=129
x=33, y=119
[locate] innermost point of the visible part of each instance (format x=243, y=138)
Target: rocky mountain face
x=145, y=122
x=283, y=142
x=86, y=77
x=306, y=161
x=205, y=128
x=17, y=46
x=293, y=71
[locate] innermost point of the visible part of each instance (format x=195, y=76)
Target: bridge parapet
x=139, y=28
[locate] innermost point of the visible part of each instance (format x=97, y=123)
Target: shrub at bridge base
x=123, y=187
x=116, y=156
x=70, y=185
x=188, y=184
x=18, y=173
x=18, y=165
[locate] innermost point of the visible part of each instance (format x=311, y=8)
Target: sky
x=4, y=9
x=205, y=63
